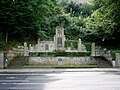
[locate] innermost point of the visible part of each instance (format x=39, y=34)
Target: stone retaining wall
x=59, y=60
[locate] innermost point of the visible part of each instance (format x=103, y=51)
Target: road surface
x=60, y=80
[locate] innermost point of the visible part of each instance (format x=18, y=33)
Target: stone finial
x=26, y=52
x=25, y=43
x=79, y=39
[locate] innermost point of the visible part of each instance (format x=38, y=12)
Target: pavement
x=62, y=70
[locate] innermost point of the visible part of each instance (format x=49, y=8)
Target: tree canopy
x=105, y=20
x=23, y=20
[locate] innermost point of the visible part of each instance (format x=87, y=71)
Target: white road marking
x=7, y=81
x=10, y=77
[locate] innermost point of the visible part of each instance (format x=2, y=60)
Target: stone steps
x=17, y=62
x=102, y=62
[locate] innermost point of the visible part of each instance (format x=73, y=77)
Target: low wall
x=59, y=60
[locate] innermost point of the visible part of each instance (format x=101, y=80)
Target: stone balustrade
x=99, y=51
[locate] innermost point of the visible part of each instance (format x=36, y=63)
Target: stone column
x=1, y=60
x=55, y=42
x=117, y=59
x=38, y=45
x=79, y=45
x=26, y=52
x=93, y=49
x=63, y=39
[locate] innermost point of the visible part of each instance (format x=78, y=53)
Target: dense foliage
x=17, y=19
x=105, y=21
x=23, y=20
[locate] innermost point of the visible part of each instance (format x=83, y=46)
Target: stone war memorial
x=60, y=52
x=57, y=44
x=55, y=53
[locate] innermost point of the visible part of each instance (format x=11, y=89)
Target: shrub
x=73, y=42
x=88, y=46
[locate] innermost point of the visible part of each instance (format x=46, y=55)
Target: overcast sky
x=82, y=1
x=79, y=1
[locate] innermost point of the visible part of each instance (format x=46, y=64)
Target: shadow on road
x=23, y=80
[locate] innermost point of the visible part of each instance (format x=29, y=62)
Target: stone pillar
x=38, y=45
x=55, y=42
x=93, y=49
x=117, y=59
x=113, y=63
x=79, y=45
x=63, y=39
x=26, y=52
x=1, y=60
x=31, y=48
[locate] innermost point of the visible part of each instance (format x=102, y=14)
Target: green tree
x=74, y=9
x=25, y=18
x=105, y=20
x=16, y=17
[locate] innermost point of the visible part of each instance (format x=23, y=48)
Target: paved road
x=73, y=79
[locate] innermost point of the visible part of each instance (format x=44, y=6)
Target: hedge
x=55, y=54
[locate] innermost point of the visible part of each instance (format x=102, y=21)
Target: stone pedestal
x=93, y=49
